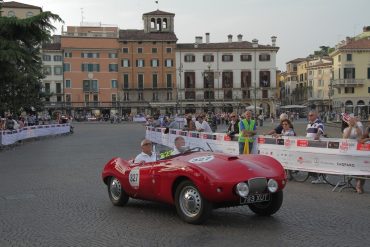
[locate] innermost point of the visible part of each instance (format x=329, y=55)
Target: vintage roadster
x=196, y=182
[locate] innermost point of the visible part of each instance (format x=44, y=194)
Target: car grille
x=257, y=185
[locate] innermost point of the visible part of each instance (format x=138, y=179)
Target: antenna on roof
x=82, y=16
x=157, y=4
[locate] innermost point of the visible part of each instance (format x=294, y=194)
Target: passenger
x=147, y=154
x=247, y=129
x=354, y=131
x=179, y=144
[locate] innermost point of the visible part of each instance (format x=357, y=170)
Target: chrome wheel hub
x=115, y=189
x=190, y=201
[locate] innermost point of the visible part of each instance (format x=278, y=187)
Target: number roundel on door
x=134, y=177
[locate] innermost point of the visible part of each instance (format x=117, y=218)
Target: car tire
x=190, y=204
x=116, y=193
x=269, y=207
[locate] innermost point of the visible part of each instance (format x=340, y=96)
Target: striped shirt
x=315, y=127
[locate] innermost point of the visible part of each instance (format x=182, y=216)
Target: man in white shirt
x=147, y=155
x=179, y=143
x=202, y=126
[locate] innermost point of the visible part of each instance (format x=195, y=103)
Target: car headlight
x=272, y=185
x=242, y=189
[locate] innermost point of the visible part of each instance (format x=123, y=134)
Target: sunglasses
x=146, y=144
x=285, y=124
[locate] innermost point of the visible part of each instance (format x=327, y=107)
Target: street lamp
x=180, y=69
x=207, y=76
x=255, y=46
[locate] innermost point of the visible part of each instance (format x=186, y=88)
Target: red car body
x=210, y=177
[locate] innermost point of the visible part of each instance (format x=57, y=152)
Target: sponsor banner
x=9, y=137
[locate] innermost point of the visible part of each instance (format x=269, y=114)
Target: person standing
x=202, y=126
x=247, y=129
x=315, y=128
x=234, y=125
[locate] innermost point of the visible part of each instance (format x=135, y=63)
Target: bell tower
x=158, y=22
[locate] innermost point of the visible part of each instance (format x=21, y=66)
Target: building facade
x=351, y=75
x=228, y=76
x=291, y=81
x=19, y=10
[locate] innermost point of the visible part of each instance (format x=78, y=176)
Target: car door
x=140, y=183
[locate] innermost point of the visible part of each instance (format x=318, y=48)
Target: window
x=47, y=70
x=58, y=87
x=339, y=58
x=66, y=67
x=368, y=90
x=57, y=58
x=29, y=14
x=114, y=97
x=140, y=81
x=264, y=78
x=154, y=50
x=59, y=98
x=112, y=55
x=266, y=57
x=89, y=55
x=139, y=50
x=208, y=58
x=90, y=67
x=126, y=97
x=68, y=84
x=140, y=96
x=67, y=54
x=169, y=81
x=349, y=57
x=189, y=79
x=169, y=63
x=125, y=50
x=168, y=49
x=319, y=72
x=169, y=96
x=227, y=79
x=368, y=73
x=68, y=99
x=113, y=67
x=155, y=80
x=47, y=87
x=245, y=57
x=349, y=90
x=349, y=73
x=246, y=79
x=265, y=94
x=125, y=81
x=155, y=96
x=58, y=70
x=140, y=63
x=154, y=63
x=46, y=58
x=189, y=58
x=125, y=63
x=87, y=98
x=11, y=13
x=114, y=83
x=246, y=94
x=90, y=85
x=227, y=58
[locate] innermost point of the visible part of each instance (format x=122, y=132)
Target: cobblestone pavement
x=51, y=194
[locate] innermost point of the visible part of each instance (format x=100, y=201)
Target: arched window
x=152, y=24
x=164, y=24
x=29, y=14
x=11, y=13
x=159, y=24
x=360, y=102
x=349, y=103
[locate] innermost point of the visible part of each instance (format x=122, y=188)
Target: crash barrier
x=329, y=155
x=138, y=119
x=9, y=137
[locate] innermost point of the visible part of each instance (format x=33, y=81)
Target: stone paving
x=51, y=194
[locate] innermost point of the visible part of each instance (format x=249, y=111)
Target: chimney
x=198, y=39
x=348, y=39
x=207, y=38
x=273, y=41
x=255, y=43
x=229, y=38
x=240, y=38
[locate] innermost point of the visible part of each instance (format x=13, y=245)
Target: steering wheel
x=194, y=149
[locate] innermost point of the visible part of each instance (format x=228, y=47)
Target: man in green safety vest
x=247, y=129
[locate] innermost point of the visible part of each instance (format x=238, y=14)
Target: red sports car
x=197, y=182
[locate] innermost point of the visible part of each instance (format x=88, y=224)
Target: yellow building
x=19, y=10
x=351, y=76
x=300, y=92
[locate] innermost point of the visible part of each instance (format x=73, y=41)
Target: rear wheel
x=270, y=207
x=190, y=205
x=116, y=193
x=299, y=176
x=332, y=179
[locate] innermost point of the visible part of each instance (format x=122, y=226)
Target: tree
x=20, y=60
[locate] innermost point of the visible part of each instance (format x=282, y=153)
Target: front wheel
x=190, y=205
x=116, y=193
x=269, y=207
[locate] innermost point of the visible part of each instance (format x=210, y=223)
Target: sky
x=301, y=26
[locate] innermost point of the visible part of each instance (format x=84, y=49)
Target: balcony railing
x=348, y=82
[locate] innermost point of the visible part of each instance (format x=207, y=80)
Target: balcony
x=348, y=82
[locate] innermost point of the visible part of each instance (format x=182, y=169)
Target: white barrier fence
x=329, y=155
x=9, y=137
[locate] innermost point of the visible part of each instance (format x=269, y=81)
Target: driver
x=179, y=144
x=147, y=154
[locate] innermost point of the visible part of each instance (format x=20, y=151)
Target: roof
x=14, y=4
x=135, y=35
x=224, y=45
x=357, y=44
x=158, y=12
x=51, y=46
x=297, y=60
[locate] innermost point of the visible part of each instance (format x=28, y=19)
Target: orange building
x=90, y=64
x=147, y=65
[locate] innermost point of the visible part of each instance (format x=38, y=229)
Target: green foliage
x=20, y=60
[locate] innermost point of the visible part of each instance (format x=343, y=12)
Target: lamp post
x=180, y=69
x=207, y=76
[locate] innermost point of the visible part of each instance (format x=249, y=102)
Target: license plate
x=255, y=198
